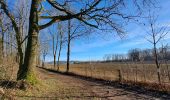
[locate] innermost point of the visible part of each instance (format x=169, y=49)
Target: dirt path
x=87, y=90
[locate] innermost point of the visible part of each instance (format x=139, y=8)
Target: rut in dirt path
x=90, y=89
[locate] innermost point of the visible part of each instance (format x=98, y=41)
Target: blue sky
x=98, y=45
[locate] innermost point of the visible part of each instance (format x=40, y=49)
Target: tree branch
x=70, y=15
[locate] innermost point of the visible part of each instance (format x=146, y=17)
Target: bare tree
x=68, y=45
x=61, y=41
x=76, y=30
x=134, y=54
x=44, y=46
x=6, y=37
x=55, y=41
x=2, y=39
x=156, y=34
x=44, y=49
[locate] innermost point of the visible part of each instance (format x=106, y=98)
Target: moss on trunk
x=28, y=76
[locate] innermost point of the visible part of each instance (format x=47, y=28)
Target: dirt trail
x=88, y=90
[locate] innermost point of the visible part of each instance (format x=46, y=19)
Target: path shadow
x=116, y=84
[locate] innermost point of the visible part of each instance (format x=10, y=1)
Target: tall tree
x=61, y=41
x=76, y=30
x=156, y=35
x=55, y=41
x=26, y=71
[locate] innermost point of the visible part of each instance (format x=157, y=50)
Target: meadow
x=136, y=72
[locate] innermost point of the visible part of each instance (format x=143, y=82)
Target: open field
x=58, y=86
x=127, y=71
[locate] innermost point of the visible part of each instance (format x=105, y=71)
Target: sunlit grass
x=110, y=71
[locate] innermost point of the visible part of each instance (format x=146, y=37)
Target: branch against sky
x=100, y=14
x=155, y=32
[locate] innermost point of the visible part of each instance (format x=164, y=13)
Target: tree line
x=139, y=55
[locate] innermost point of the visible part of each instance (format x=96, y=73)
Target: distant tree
x=165, y=52
x=147, y=53
x=104, y=58
x=134, y=54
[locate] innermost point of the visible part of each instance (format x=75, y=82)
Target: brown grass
x=135, y=72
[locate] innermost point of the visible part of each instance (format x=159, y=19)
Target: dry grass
x=8, y=69
x=50, y=88
x=129, y=71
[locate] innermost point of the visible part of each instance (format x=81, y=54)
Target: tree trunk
x=2, y=48
x=2, y=41
x=54, y=61
x=6, y=47
x=158, y=68
x=68, y=57
x=58, y=62
x=1, y=51
x=2, y=45
x=26, y=71
x=59, y=52
x=156, y=61
x=11, y=49
x=20, y=52
x=68, y=46
x=43, y=65
x=55, y=50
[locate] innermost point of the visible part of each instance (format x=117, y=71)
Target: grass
x=136, y=72
x=53, y=88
